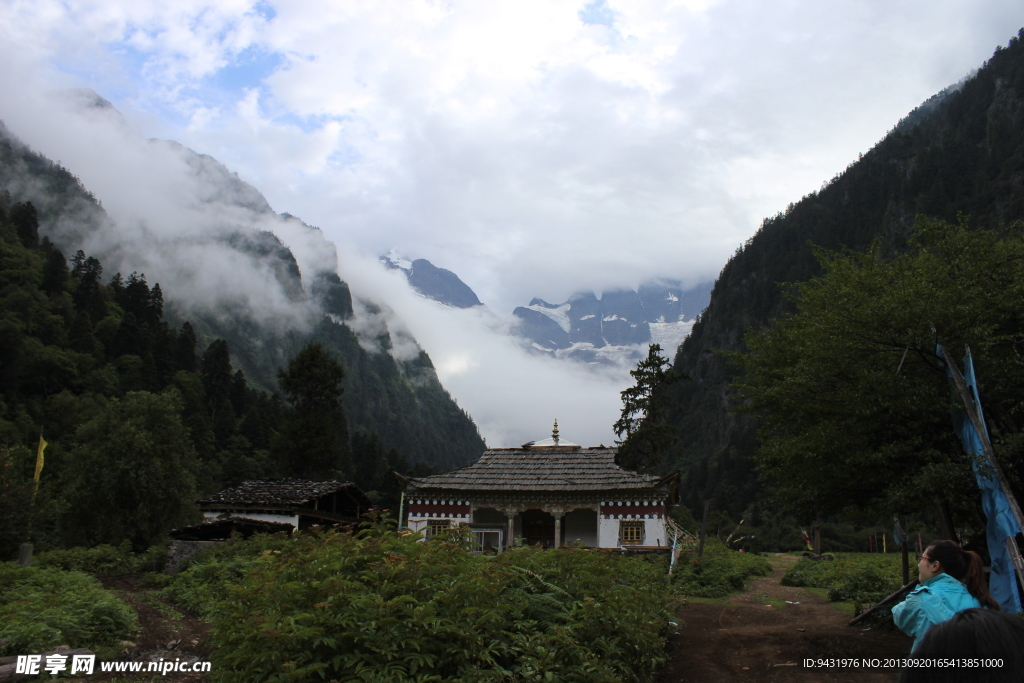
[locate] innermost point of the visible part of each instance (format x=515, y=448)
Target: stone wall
x=179, y=551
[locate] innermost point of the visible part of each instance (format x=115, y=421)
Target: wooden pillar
x=558, y=514
x=816, y=538
x=511, y=535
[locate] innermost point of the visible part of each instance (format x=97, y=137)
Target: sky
x=535, y=148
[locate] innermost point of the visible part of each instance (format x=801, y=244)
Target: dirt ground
x=765, y=633
x=166, y=633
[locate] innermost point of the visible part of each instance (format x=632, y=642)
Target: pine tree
x=314, y=440
x=644, y=419
x=26, y=222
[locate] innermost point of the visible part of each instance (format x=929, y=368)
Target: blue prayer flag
x=1001, y=522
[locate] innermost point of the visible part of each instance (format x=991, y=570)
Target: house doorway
x=539, y=528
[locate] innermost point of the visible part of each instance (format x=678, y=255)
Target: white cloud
x=513, y=396
x=531, y=153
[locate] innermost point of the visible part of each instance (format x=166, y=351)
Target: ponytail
x=965, y=566
x=974, y=579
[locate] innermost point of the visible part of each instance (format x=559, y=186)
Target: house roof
x=217, y=529
x=547, y=469
x=286, y=492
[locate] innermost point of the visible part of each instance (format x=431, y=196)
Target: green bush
x=104, y=559
x=851, y=577
x=41, y=608
x=720, y=571
x=383, y=607
x=204, y=577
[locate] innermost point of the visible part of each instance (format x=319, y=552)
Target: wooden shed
x=301, y=503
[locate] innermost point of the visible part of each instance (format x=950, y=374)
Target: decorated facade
x=549, y=493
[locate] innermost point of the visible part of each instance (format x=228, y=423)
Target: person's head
x=947, y=557
x=977, y=634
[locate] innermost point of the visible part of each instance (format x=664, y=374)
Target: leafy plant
x=852, y=577
x=44, y=607
x=204, y=577
x=379, y=606
x=718, y=572
x=104, y=559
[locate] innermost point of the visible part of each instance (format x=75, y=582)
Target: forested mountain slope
x=265, y=283
x=960, y=152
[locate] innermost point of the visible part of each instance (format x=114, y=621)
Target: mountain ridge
x=962, y=151
x=267, y=283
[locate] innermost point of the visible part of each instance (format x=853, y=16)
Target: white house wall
x=651, y=512
x=578, y=524
x=422, y=510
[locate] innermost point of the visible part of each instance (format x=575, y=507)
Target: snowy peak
x=615, y=328
x=435, y=283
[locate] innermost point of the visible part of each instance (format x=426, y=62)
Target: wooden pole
x=816, y=538
x=967, y=398
x=703, y=528
x=888, y=600
x=945, y=520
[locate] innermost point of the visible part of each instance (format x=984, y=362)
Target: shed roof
x=216, y=529
x=284, y=492
x=547, y=469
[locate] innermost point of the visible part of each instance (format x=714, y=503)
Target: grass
x=150, y=598
x=851, y=580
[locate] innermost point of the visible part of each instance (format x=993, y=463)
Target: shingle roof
x=222, y=528
x=292, y=492
x=547, y=469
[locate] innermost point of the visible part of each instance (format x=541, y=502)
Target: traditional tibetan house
x=548, y=493
x=297, y=502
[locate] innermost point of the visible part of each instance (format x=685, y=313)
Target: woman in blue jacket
x=951, y=581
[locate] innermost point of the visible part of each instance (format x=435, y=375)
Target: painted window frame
x=632, y=531
x=436, y=527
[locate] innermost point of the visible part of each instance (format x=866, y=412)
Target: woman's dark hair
x=965, y=566
x=976, y=634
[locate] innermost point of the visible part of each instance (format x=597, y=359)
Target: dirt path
x=745, y=640
x=166, y=634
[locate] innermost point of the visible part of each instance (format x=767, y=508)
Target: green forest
x=810, y=318
x=140, y=418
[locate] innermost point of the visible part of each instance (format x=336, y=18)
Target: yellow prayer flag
x=39, y=458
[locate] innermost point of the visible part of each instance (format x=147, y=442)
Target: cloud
x=513, y=396
x=535, y=148
x=176, y=216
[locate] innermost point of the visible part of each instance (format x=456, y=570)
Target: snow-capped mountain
x=615, y=329
x=432, y=282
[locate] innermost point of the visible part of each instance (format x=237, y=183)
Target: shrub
x=851, y=577
x=41, y=608
x=204, y=577
x=104, y=559
x=720, y=571
x=383, y=607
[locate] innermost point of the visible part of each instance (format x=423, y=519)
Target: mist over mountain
x=614, y=329
x=961, y=152
x=266, y=282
